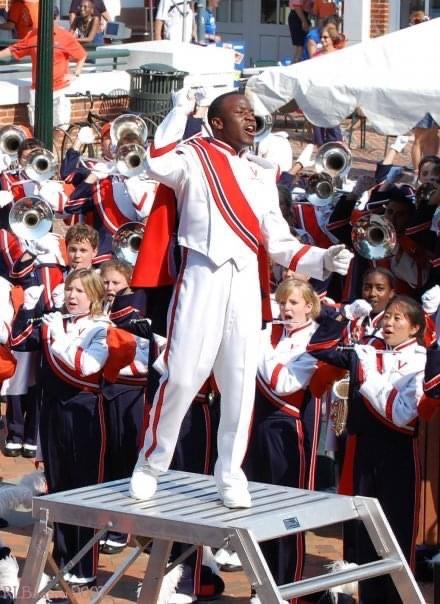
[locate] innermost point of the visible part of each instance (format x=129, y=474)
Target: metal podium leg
x=160, y=553
x=386, y=545
x=36, y=560
x=255, y=566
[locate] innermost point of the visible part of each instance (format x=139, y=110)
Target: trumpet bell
x=40, y=165
x=333, y=159
x=30, y=218
x=320, y=189
x=11, y=138
x=374, y=237
x=264, y=126
x=127, y=242
x=130, y=160
x=128, y=123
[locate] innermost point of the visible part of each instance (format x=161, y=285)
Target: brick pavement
x=322, y=547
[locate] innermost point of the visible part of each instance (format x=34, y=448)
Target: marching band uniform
x=228, y=210
x=285, y=432
x=382, y=458
x=72, y=430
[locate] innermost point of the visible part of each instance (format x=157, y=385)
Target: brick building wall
x=380, y=14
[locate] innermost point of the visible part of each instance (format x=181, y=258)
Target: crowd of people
x=215, y=352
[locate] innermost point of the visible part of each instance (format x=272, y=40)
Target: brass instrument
x=127, y=242
x=130, y=160
x=11, y=138
x=320, y=189
x=40, y=165
x=425, y=192
x=333, y=159
x=339, y=404
x=264, y=126
x=374, y=237
x=128, y=123
x=31, y=218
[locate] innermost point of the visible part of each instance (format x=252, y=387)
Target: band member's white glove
x=357, y=309
x=431, y=300
x=47, y=250
x=58, y=296
x=5, y=161
x=54, y=321
x=102, y=169
x=305, y=157
x=86, y=135
x=31, y=296
x=367, y=357
x=6, y=198
x=53, y=193
x=337, y=259
x=184, y=98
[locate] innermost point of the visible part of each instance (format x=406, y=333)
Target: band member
x=228, y=213
x=72, y=430
x=382, y=458
x=285, y=431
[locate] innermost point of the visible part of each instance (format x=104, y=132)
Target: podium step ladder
x=186, y=508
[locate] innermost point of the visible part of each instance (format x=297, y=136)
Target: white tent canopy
x=394, y=80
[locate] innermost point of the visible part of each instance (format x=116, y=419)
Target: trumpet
x=320, y=189
x=31, y=218
x=127, y=242
x=11, y=138
x=334, y=159
x=128, y=123
x=374, y=237
x=264, y=126
x=130, y=160
x=40, y=165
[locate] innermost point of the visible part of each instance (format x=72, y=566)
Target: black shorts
x=297, y=33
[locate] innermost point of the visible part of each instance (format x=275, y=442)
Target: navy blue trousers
x=22, y=416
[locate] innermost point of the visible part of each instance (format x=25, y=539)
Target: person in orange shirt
x=65, y=48
x=19, y=19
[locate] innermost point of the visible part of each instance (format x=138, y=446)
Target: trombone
x=374, y=237
x=40, y=165
x=31, y=218
x=127, y=242
x=130, y=160
x=11, y=138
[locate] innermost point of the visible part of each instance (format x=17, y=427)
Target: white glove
x=86, y=135
x=102, y=169
x=54, y=321
x=357, y=309
x=184, y=98
x=367, y=356
x=400, y=143
x=5, y=162
x=337, y=259
x=31, y=296
x=305, y=157
x=50, y=191
x=58, y=296
x=47, y=250
x=431, y=300
x=6, y=197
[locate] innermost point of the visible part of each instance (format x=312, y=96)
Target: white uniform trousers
x=214, y=321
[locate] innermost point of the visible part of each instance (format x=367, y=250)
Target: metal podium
x=186, y=508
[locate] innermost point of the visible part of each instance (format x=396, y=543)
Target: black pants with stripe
x=72, y=437
x=22, y=416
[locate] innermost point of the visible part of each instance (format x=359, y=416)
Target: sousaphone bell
x=127, y=242
x=31, y=218
x=374, y=237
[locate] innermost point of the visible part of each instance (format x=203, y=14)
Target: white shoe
x=74, y=580
x=143, y=484
x=235, y=497
x=181, y=599
x=400, y=143
x=256, y=600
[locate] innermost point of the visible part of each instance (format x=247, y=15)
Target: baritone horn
x=11, y=138
x=127, y=242
x=130, y=160
x=374, y=237
x=128, y=124
x=40, y=165
x=333, y=159
x=31, y=218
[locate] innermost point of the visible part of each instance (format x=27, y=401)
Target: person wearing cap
x=65, y=48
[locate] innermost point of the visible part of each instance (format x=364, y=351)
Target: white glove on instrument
x=357, y=309
x=31, y=296
x=431, y=300
x=54, y=321
x=6, y=197
x=337, y=259
x=86, y=135
x=367, y=356
x=50, y=191
x=102, y=169
x=58, y=296
x=5, y=162
x=305, y=157
x=184, y=98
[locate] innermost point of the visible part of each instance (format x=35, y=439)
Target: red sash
x=111, y=216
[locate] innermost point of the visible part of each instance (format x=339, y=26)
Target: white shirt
x=172, y=13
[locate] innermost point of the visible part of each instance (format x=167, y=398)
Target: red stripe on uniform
x=298, y=256
x=274, y=376
x=78, y=354
x=389, y=405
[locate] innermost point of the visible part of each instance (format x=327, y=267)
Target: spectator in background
x=312, y=42
x=19, y=19
x=86, y=27
x=100, y=10
x=210, y=23
x=174, y=21
x=299, y=24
